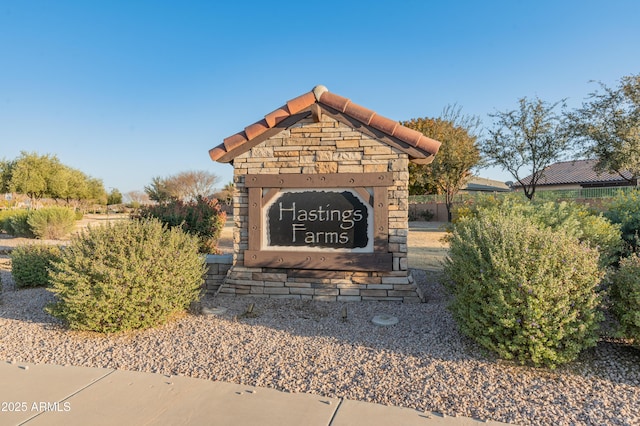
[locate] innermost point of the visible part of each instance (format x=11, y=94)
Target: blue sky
x=129, y=90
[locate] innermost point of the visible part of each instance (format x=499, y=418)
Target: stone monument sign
x=321, y=202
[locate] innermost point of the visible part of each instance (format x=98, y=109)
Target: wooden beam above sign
x=327, y=180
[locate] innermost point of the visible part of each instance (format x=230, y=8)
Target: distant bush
x=202, y=218
x=625, y=297
x=425, y=215
x=47, y=223
x=574, y=219
x=14, y=223
x=525, y=291
x=4, y=216
x=30, y=264
x=624, y=209
x=51, y=223
x=125, y=276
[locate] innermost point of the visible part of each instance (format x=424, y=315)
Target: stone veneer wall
x=217, y=267
x=324, y=147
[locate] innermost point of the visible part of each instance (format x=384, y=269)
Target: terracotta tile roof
x=426, y=147
x=577, y=172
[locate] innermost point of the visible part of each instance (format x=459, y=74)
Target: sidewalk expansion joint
x=335, y=412
x=71, y=395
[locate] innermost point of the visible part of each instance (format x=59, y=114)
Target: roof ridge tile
x=321, y=95
x=276, y=116
x=301, y=102
x=334, y=101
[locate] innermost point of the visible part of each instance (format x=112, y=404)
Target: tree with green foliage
x=526, y=140
x=5, y=174
x=458, y=154
x=114, y=197
x=30, y=173
x=44, y=176
x=607, y=127
x=158, y=190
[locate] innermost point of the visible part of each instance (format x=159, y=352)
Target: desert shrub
x=30, y=264
x=573, y=218
x=4, y=217
x=425, y=215
x=625, y=297
x=51, y=223
x=624, y=209
x=202, y=218
x=525, y=291
x=15, y=223
x=124, y=276
x=591, y=227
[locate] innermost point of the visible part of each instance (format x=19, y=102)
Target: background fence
x=545, y=195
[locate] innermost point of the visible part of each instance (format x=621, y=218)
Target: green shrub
x=52, y=223
x=625, y=297
x=202, y=218
x=15, y=223
x=30, y=264
x=574, y=219
x=524, y=291
x=124, y=276
x=4, y=219
x=624, y=209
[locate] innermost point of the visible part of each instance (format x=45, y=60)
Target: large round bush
x=625, y=297
x=522, y=290
x=131, y=275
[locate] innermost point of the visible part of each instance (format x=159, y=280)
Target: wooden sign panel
x=321, y=221
x=318, y=219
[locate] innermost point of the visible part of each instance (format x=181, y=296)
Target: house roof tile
x=577, y=172
x=320, y=95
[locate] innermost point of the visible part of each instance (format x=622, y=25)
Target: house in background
x=578, y=174
x=480, y=184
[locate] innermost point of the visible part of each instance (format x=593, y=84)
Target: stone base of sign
x=217, y=268
x=341, y=286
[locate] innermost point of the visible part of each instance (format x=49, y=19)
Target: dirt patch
x=426, y=247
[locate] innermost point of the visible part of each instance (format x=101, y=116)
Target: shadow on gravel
x=424, y=330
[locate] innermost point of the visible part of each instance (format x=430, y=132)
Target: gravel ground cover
x=301, y=346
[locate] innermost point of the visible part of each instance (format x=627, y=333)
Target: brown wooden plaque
x=323, y=221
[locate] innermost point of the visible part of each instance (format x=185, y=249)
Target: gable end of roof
x=426, y=147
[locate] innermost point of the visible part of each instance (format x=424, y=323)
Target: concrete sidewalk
x=54, y=395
